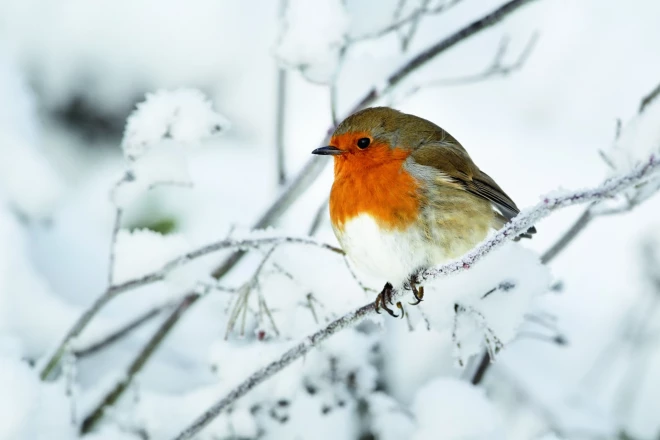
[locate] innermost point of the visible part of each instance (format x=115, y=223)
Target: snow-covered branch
x=162, y=273
x=527, y=218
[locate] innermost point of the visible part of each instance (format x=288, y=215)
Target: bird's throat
x=382, y=189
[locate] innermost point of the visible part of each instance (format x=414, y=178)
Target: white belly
x=390, y=255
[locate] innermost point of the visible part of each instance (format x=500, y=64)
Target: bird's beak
x=328, y=151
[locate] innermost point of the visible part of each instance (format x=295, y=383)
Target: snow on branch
x=257, y=239
x=185, y=116
x=549, y=204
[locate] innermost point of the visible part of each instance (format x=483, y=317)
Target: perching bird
x=407, y=196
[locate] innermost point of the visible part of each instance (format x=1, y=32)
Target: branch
x=515, y=227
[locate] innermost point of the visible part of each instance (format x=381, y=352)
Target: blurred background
x=533, y=99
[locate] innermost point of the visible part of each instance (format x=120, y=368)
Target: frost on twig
x=498, y=67
x=403, y=18
x=241, y=302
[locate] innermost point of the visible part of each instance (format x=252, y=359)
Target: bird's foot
x=418, y=291
x=384, y=298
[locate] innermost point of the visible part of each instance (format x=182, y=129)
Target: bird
x=406, y=196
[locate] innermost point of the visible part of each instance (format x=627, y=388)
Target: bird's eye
x=363, y=143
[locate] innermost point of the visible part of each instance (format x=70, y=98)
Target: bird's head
x=377, y=135
x=366, y=136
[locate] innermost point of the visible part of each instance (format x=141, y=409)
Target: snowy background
x=132, y=132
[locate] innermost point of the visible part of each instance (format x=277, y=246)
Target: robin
x=407, y=196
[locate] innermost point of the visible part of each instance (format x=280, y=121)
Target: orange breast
x=374, y=182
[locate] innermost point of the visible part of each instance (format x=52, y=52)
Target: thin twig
x=517, y=226
x=411, y=18
x=113, y=242
x=122, y=331
x=280, y=120
x=568, y=236
x=649, y=98
x=321, y=212
x=407, y=35
x=357, y=279
x=242, y=299
x=496, y=68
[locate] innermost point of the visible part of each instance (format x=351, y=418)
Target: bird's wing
x=451, y=160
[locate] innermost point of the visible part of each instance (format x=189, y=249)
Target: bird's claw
x=384, y=298
x=418, y=293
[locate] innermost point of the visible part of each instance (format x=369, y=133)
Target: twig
x=359, y=282
x=244, y=296
x=280, y=118
x=496, y=68
x=315, y=165
x=568, y=236
x=128, y=176
x=411, y=18
x=406, y=37
x=113, y=242
x=321, y=211
x=517, y=226
x=136, y=366
x=123, y=331
x=649, y=98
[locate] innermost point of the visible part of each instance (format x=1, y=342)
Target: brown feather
x=451, y=159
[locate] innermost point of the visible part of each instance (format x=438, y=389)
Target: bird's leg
x=418, y=292
x=385, y=297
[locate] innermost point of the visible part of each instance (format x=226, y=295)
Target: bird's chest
x=387, y=193
x=389, y=254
